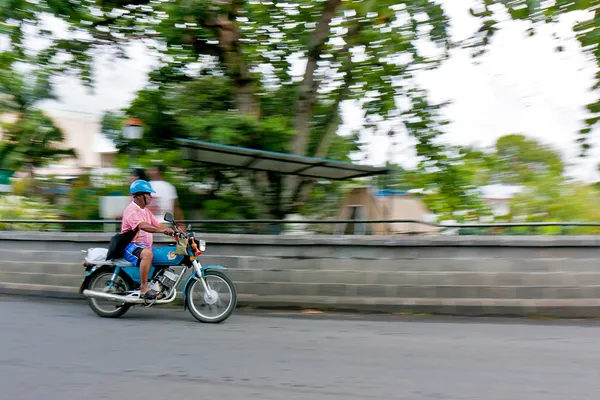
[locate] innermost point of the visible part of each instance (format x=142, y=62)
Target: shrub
x=20, y=207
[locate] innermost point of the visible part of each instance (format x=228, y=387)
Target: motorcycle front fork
x=200, y=276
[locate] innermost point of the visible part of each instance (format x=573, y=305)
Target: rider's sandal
x=150, y=294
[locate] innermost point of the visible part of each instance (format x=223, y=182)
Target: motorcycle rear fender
x=89, y=270
x=193, y=275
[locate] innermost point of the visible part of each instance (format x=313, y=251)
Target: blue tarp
x=387, y=192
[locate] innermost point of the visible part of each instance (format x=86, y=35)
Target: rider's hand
x=169, y=232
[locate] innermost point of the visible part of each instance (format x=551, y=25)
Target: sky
x=521, y=86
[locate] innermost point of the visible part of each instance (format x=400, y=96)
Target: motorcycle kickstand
x=148, y=304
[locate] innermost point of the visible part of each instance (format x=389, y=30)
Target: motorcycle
x=112, y=287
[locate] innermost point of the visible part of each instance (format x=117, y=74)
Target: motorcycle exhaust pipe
x=122, y=299
x=112, y=297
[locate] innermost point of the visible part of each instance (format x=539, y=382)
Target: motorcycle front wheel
x=212, y=307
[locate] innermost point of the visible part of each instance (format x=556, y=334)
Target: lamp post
x=133, y=129
x=391, y=134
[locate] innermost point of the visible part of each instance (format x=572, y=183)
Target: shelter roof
x=261, y=160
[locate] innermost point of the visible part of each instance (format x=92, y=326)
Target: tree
x=514, y=160
x=402, y=179
x=553, y=199
x=202, y=108
x=521, y=160
x=450, y=191
x=31, y=137
x=547, y=194
x=354, y=50
x=480, y=165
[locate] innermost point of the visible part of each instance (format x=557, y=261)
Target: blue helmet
x=140, y=186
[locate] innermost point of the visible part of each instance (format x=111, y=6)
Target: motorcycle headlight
x=202, y=245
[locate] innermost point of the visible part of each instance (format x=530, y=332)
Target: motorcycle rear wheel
x=108, y=309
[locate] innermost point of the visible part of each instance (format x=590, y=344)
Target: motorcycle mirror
x=169, y=217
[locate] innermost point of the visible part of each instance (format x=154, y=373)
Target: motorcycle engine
x=168, y=278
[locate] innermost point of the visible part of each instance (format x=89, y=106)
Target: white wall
x=499, y=206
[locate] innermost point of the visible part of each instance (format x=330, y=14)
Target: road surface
x=60, y=350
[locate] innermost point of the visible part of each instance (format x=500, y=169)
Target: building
x=84, y=135
x=366, y=203
x=498, y=197
x=94, y=150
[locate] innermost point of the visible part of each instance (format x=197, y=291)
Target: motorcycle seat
x=121, y=262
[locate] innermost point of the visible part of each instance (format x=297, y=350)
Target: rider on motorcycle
x=138, y=216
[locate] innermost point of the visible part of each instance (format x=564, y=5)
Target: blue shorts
x=132, y=253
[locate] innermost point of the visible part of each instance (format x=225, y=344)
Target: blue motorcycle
x=112, y=287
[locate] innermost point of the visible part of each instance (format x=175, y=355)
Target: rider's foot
x=149, y=294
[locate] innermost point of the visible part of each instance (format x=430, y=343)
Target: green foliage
x=181, y=173
x=554, y=199
x=384, y=32
x=401, y=179
x=272, y=32
x=324, y=201
x=514, y=160
x=228, y=206
x=239, y=130
x=31, y=140
x=31, y=137
x=112, y=127
x=29, y=208
x=451, y=193
x=154, y=108
x=244, y=93
x=547, y=196
x=481, y=165
x=522, y=160
x=83, y=202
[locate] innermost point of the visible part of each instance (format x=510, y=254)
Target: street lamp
x=133, y=128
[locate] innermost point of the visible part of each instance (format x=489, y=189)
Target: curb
x=524, y=308
x=24, y=289
x=527, y=308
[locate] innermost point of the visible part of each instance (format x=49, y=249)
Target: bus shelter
x=212, y=154
x=283, y=163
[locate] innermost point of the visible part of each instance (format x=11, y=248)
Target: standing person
x=165, y=199
x=137, y=174
x=138, y=216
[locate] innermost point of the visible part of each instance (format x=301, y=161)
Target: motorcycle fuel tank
x=166, y=256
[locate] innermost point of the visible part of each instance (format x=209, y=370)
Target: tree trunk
x=303, y=187
x=308, y=89
x=231, y=56
x=245, y=98
x=307, y=94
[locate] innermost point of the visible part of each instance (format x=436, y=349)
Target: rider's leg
x=145, y=263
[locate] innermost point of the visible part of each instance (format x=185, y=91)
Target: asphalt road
x=59, y=350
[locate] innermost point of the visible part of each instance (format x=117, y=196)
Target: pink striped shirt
x=132, y=217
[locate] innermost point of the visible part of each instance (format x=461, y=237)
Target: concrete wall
x=449, y=275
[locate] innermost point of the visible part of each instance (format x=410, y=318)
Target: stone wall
x=448, y=275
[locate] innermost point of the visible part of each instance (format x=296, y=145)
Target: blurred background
x=483, y=111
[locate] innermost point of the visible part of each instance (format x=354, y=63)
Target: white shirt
x=163, y=201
